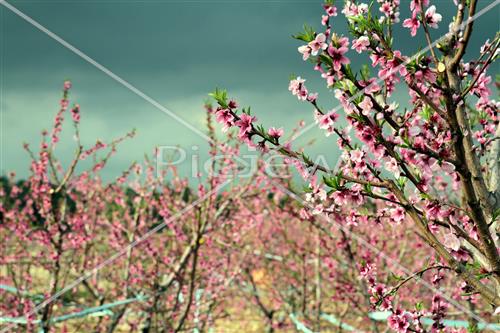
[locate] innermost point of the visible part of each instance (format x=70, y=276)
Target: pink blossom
x=415, y=138
x=361, y=44
x=245, y=124
x=460, y=255
x=330, y=79
x=330, y=10
x=415, y=5
x=341, y=42
x=414, y=131
x=224, y=117
x=481, y=86
x=432, y=18
x=484, y=48
x=366, y=106
x=376, y=59
x=366, y=270
x=340, y=197
x=338, y=58
x=67, y=85
x=352, y=219
x=312, y=97
x=304, y=214
x=436, y=278
x=303, y=94
x=451, y=241
x=357, y=155
x=352, y=9
x=75, y=113
x=296, y=84
x=298, y=88
x=275, y=132
x=390, y=69
x=318, y=44
x=392, y=166
x=390, y=10
x=305, y=50
x=327, y=121
x=433, y=210
x=397, y=214
x=316, y=195
x=232, y=104
x=371, y=86
x=324, y=19
x=399, y=321
x=412, y=23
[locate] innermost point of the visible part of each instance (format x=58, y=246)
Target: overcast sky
x=175, y=52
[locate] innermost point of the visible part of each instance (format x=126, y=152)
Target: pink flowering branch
x=418, y=273
x=464, y=40
x=435, y=137
x=492, y=49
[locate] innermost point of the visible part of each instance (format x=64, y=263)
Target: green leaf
x=349, y=74
x=333, y=182
x=397, y=277
x=186, y=194
x=402, y=182
x=495, y=215
x=220, y=96
x=419, y=306
x=426, y=112
x=306, y=159
x=365, y=72
x=424, y=195
x=306, y=36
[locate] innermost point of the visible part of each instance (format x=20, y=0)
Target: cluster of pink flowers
x=361, y=44
x=58, y=121
x=298, y=88
x=227, y=116
x=314, y=47
x=75, y=113
x=337, y=51
x=245, y=125
x=399, y=321
x=414, y=164
x=327, y=121
x=352, y=9
x=431, y=18
x=390, y=8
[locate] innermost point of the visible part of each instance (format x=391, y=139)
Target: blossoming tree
x=143, y=248
x=432, y=167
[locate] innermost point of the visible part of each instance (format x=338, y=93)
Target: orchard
x=402, y=235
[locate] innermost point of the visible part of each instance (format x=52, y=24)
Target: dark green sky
x=174, y=51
